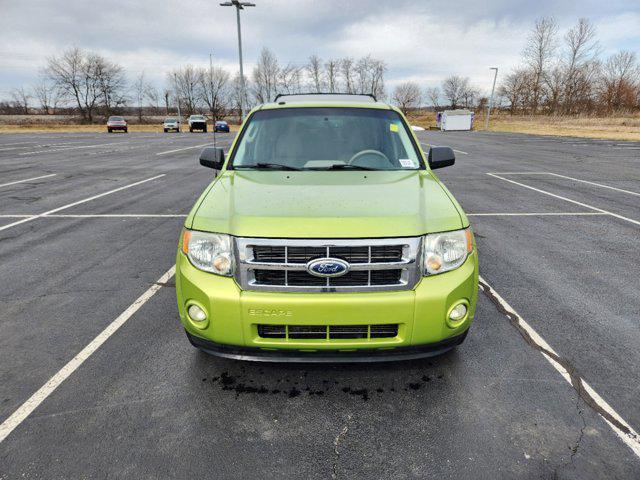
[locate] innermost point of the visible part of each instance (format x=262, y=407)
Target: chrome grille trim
x=247, y=263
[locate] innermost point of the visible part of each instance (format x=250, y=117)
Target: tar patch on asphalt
x=240, y=385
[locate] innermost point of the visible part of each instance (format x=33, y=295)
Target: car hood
x=336, y=204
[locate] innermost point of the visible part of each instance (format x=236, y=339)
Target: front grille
x=328, y=332
x=379, y=254
x=281, y=264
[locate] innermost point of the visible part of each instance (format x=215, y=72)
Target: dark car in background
x=198, y=122
x=221, y=126
x=117, y=123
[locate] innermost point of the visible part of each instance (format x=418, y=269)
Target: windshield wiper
x=267, y=165
x=344, y=166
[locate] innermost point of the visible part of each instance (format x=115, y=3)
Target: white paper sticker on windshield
x=406, y=163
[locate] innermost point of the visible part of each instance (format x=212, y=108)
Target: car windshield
x=221, y=123
x=197, y=117
x=170, y=120
x=116, y=119
x=326, y=139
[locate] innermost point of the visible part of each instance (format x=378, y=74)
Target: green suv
x=325, y=236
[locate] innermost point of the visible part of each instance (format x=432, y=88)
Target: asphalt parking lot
x=88, y=232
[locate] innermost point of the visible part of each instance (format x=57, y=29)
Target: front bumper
x=327, y=356
x=234, y=315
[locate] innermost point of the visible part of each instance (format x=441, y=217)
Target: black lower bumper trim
x=326, y=356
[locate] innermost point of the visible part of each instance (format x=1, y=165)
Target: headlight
x=446, y=251
x=210, y=252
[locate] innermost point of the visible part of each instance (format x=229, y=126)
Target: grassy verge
x=608, y=128
x=52, y=128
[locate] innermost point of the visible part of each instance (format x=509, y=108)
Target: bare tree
x=139, y=89
x=186, y=82
x=74, y=74
x=46, y=94
x=541, y=45
x=21, y=99
x=454, y=88
x=582, y=50
x=407, y=96
x=290, y=79
x=620, y=81
x=331, y=68
x=369, y=76
x=152, y=95
x=111, y=83
x=433, y=95
x=265, y=76
x=514, y=88
x=314, y=69
x=347, y=72
x=166, y=96
x=215, y=90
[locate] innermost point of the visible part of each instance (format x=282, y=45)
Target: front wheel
x=190, y=130
x=126, y=130
x=204, y=129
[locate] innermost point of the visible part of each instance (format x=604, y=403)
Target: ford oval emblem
x=327, y=267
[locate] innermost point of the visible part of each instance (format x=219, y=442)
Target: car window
x=116, y=119
x=170, y=120
x=313, y=138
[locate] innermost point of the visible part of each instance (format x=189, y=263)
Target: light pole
x=239, y=6
x=486, y=120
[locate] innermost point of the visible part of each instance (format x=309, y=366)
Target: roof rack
x=302, y=97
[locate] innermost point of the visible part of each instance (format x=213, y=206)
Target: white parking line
x=627, y=434
x=50, y=150
x=64, y=207
x=209, y=144
x=28, y=179
x=591, y=207
x=569, y=178
x=17, y=417
x=516, y=214
x=596, y=184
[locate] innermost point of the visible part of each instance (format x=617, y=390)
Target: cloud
x=423, y=41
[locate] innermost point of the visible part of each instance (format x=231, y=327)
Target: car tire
x=190, y=130
x=108, y=130
x=126, y=130
x=204, y=130
x=165, y=130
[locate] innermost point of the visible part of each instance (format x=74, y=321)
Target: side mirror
x=440, y=157
x=212, y=157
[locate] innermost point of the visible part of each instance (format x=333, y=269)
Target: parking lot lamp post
x=240, y=6
x=495, y=76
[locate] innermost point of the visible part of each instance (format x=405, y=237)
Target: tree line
x=567, y=74
x=559, y=73
x=89, y=85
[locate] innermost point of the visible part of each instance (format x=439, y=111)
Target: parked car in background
x=326, y=236
x=198, y=122
x=117, y=123
x=221, y=126
x=171, y=124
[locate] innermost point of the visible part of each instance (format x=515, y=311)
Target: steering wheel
x=362, y=153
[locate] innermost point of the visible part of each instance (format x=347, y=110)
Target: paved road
x=557, y=226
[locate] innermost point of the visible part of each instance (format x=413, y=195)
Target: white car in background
x=171, y=124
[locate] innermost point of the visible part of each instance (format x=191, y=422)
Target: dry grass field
x=608, y=128
x=67, y=124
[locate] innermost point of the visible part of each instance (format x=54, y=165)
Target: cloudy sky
x=419, y=40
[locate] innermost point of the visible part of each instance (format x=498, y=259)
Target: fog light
x=196, y=313
x=458, y=312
